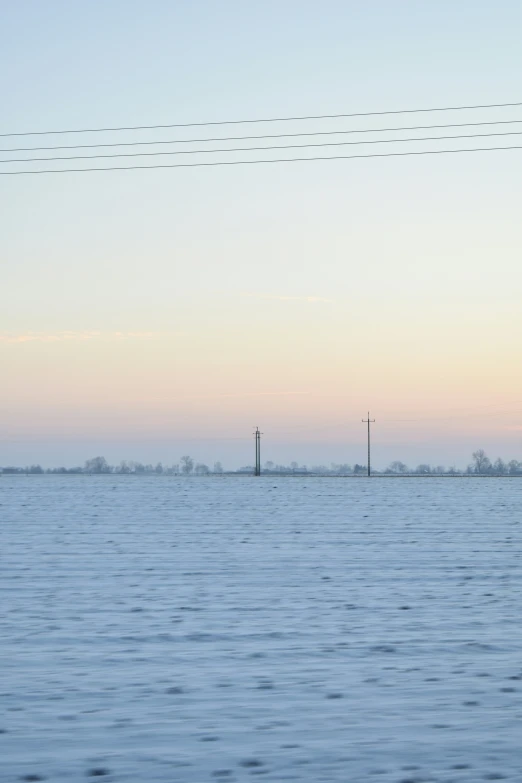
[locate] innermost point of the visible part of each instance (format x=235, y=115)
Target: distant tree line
x=481, y=466
x=187, y=466
x=99, y=466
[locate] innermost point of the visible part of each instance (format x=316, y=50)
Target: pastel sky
x=148, y=314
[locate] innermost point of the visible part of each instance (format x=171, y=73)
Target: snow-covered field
x=220, y=629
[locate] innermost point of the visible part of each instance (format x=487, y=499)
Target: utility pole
x=368, y=421
x=257, y=436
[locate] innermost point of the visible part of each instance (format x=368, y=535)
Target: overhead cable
x=250, y=162
x=258, y=149
x=253, y=138
x=266, y=119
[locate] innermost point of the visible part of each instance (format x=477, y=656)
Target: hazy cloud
x=279, y=298
x=81, y=336
x=253, y=394
x=232, y=395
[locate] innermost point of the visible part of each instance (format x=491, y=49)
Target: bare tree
x=482, y=463
x=397, y=467
x=97, y=465
x=342, y=469
x=500, y=467
x=187, y=465
x=201, y=469
x=218, y=467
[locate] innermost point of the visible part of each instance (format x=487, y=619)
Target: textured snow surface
x=221, y=629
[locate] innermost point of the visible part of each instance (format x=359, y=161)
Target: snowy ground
x=220, y=629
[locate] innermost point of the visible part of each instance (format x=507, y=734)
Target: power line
x=267, y=119
x=461, y=416
x=257, y=149
x=251, y=138
x=247, y=162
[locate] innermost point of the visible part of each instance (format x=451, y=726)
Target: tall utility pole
x=368, y=421
x=257, y=436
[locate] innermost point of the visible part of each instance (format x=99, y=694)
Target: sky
x=150, y=314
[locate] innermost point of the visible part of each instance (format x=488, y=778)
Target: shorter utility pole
x=369, y=421
x=257, y=436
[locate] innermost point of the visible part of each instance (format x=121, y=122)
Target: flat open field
x=220, y=629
